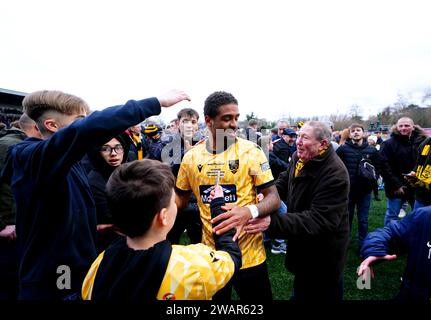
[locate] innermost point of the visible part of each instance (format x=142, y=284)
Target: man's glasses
x=108, y=150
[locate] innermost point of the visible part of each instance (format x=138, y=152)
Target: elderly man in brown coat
x=315, y=188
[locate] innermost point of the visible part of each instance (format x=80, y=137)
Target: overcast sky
x=278, y=58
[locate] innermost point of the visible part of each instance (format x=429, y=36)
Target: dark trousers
x=8, y=270
x=250, y=284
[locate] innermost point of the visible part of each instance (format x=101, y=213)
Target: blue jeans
x=281, y=211
x=362, y=204
x=393, y=207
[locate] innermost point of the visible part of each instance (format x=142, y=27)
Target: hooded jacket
x=99, y=175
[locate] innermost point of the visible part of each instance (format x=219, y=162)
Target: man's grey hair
x=320, y=130
x=283, y=121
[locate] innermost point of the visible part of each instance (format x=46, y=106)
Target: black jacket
x=316, y=224
x=399, y=154
x=277, y=165
x=351, y=154
x=8, y=137
x=282, y=150
x=99, y=175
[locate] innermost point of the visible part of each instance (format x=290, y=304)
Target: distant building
x=10, y=105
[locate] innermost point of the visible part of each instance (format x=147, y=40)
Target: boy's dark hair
x=187, y=112
x=216, y=100
x=136, y=191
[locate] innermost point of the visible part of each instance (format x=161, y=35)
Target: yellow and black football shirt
x=194, y=272
x=243, y=167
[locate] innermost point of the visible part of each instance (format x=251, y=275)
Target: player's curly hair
x=216, y=100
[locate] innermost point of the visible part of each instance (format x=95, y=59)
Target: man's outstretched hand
x=172, y=97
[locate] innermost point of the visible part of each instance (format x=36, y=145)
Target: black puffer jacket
x=399, y=154
x=351, y=154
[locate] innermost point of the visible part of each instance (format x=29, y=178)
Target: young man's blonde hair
x=38, y=104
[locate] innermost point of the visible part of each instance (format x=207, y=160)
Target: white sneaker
x=402, y=213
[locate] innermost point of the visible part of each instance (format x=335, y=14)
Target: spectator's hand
x=102, y=227
x=172, y=97
x=8, y=232
x=234, y=217
x=257, y=225
x=411, y=178
x=370, y=260
x=399, y=192
x=213, y=193
x=218, y=191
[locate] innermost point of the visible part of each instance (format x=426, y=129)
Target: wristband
x=254, y=211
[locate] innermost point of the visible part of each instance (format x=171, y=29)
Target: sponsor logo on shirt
x=265, y=166
x=229, y=192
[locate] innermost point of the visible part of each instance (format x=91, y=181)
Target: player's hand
x=234, y=217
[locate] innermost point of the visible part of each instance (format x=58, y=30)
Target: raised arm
x=69, y=144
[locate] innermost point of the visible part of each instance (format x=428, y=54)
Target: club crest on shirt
x=233, y=166
x=200, y=166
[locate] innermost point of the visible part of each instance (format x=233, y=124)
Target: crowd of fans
x=100, y=196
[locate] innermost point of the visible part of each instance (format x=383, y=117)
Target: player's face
x=226, y=119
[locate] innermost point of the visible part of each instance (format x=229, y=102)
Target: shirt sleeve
x=260, y=169
x=218, y=271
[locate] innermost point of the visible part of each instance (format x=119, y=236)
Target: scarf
x=423, y=168
x=300, y=164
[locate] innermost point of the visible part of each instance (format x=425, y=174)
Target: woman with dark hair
x=104, y=160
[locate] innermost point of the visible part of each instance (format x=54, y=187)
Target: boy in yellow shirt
x=144, y=266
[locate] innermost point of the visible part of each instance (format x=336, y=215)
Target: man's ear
x=51, y=125
x=323, y=144
x=208, y=121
